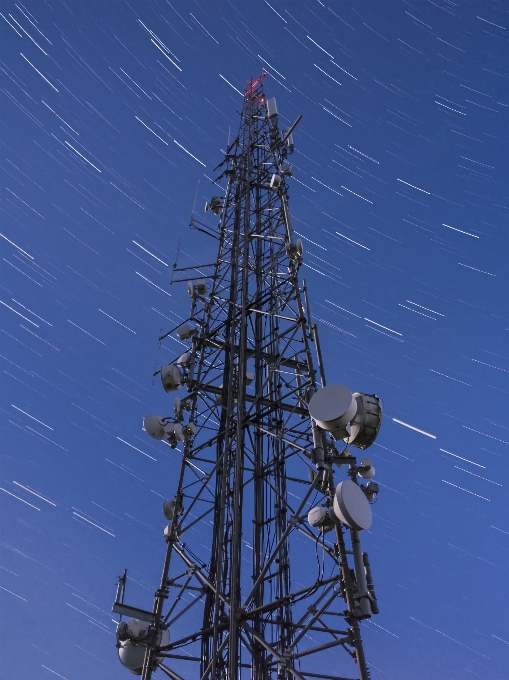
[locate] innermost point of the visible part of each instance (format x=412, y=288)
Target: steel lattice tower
x=255, y=462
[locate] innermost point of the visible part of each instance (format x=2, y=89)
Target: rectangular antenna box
x=271, y=107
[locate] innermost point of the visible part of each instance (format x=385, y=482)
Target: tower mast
x=256, y=505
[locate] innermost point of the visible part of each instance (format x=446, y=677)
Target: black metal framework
x=254, y=462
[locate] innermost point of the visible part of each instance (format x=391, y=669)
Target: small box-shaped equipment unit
x=201, y=287
x=322, y=518
x=184, y=332
x=271, y=107
x=171, y=378
x=366, y=469
x=289, y=140
x=275, y=181
x=295, y=250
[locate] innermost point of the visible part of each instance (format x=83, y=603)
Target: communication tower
x=264, y=576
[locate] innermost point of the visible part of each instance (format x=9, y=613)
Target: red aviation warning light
x=251, y=85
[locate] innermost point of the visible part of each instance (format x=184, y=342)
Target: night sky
x=111, y=114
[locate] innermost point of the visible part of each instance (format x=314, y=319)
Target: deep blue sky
x=400, y=193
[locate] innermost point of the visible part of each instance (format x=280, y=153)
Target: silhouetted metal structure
x=251, y=586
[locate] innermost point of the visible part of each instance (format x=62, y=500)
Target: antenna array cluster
x=260, y=435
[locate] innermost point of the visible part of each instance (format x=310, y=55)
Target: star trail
x=113, y=113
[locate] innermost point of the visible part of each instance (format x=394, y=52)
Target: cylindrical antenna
x=308, y=309
x=319, y=354
x=194, y=206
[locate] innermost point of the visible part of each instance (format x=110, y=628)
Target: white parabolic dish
x=330, y=403
x=333, y=407
x=351, y=506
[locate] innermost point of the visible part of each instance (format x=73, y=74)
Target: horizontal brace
x=186, y=269
x=194, y=637
x=276, y=238
x=294, y=479
x=179, y=585
x=204, y=227
x=320, y=648
x=317, y=629
x=286, y=441
x=264, y=402
x=268, y=358
x=324, y=677
x=193, y=278
x=134, y=612
x=194, y=221
x=204, y=231
x=251, y=353
x=277, y=316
